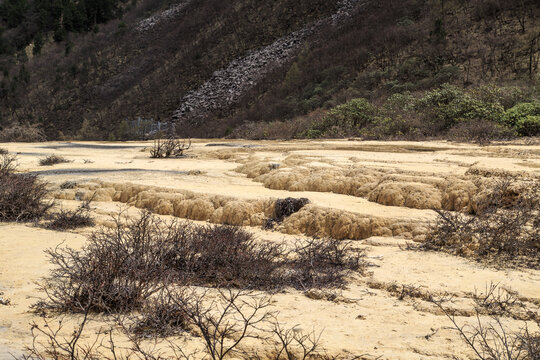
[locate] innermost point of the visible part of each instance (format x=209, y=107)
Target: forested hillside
x=265, y=69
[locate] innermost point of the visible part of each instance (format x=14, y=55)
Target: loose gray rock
x=169, y=14
x=227, y=86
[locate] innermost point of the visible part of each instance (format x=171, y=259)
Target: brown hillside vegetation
x=115, y=74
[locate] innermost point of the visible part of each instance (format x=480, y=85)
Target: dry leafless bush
x=55, y=346
x=226, y=321
x=71, y=219
x=506, y=228
x=117, y=270
x=8, y=164
x=159, y=317
x=120, y=268
x=499, y=301
x=22, y=133
x=491, y=339
x=226, y=318
x=324, y=263
x=223, y=255
x=481, y=132
x=231, y=256
x=169, y=148
x=295, y=345
x=52, y=160
x=22, y=196
x=223, y=318
x=50, y=342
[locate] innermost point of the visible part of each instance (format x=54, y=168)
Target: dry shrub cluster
x=505, y=228
x=22, y=133
x=223, y=255
x=491, y=339
x=223, y=318
x=160, y=316
x=323, y=263
x=480, y=131
x=169, y=148
x=224, y=322
x=120, y=268
x=22, y=196
x=501, y=301
x=156, y=279
x=71, y=219
x=117, y=269
x=52, y=160
x=294, y=128
x=8, y=164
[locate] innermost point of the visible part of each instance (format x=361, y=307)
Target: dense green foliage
x=525, y=118
x=444, y=110
x=529, y=126
x=346, y=118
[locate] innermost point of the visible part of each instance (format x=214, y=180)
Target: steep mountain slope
x=216, y=67
x=227, y=86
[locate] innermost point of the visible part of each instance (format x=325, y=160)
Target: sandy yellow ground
x=227, y=182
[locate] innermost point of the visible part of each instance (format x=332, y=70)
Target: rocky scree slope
x=227, y=85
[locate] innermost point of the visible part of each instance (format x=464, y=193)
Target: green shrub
x=529, y=126
x=399, y=102
x=520, y=112
x=449, y=105
x=466, y=115
x=346, y=119
x=356, y=113
x=447, y=73
x=313, y=134
x=390, y=128
x=445, y=95
x=507, y=96
x=396, y=119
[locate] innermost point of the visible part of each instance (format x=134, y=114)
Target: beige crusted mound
x=413, y=195
x=418, y=191
x=179, y=203
x=394, y=187
x=311, y=220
